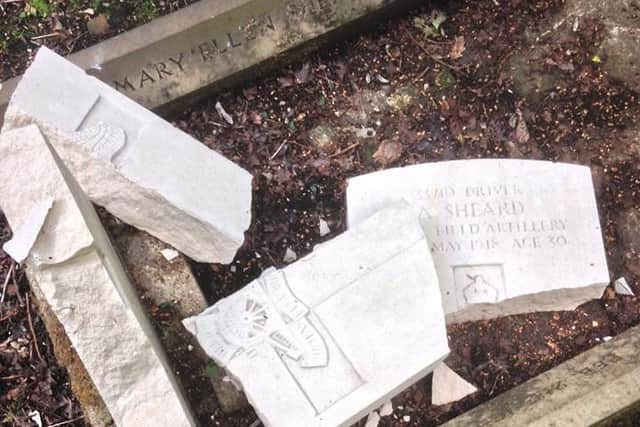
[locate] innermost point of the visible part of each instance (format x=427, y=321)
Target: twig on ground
x=433, y=57
x=66, y=422
x=346, y=150
x=443, y=43
x=6, y=282
x=273, y=156
x=33, y=332
x=421, y=75
x=44, y=36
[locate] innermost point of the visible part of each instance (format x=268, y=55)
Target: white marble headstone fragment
x=331, y=337
x=130, y=161
x=73, y=265
x=25, y=236
x=506, y=236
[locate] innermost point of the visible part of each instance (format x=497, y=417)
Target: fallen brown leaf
x=458, y=48
x=388, y=152
x=98, y=25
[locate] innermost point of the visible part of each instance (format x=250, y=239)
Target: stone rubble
x=386, y=409
x=136, y=165
x=73, y=265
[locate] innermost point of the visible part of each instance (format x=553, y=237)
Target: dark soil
x=464, y=110
x=463, y=107
x=30, y=378
x=61, y=25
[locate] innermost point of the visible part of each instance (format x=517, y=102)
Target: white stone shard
x=169, y=254
x=73, y=265
x=373, y=420
x=506, y=236
x=25, y=236
x=331, y=337
x=324, y=228
x=140, y=168
x=621, y=286
x=289, y=256
x=448, y=387
x=386, y=409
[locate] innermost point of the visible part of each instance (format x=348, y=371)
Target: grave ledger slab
x=211, y=44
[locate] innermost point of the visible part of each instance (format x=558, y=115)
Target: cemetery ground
x=68, y=26
x=434, y=84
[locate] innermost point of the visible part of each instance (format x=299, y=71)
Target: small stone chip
x=373, y=420
x=289, y=256
x=324, y=228
x=386, y=409
x=169, y=254
x=622, y=287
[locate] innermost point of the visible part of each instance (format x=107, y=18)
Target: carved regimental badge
x=104, y=141
x=265, y=312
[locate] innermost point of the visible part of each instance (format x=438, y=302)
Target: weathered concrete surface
x=162, y=281
x=594, y=388
x=207, y=45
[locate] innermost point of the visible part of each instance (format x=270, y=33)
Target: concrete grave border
x=146, y=45
x=597, y=387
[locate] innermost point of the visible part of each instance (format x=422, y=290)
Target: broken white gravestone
x=73, y=265
x=506, y=236
x=136, y=165
x=331, y=337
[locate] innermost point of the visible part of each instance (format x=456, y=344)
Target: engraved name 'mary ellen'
x=203, y=52
x=222, y=42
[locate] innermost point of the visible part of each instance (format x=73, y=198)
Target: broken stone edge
x=206, y=243
x=101, y=249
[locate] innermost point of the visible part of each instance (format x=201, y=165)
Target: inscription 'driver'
x=490, y=217
x=225, y=43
